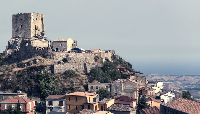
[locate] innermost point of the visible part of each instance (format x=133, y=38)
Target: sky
x=155, y=36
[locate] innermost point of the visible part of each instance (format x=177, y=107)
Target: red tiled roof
x=151, y=110
x=55, y=96
x=15, y=100
x=125, y=98
x=81, y=94
x=184, y=105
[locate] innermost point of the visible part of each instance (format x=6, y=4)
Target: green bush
x=64, y=60
x=70, y=73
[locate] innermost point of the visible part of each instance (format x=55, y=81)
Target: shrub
x=64, y=60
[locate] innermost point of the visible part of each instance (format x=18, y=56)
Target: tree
x=141, y=104
x=104, y=94
x=47, y=85
x=187, y=95
x=70, y=73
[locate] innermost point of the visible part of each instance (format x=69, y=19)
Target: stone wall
x=27, y=25
x=21, y=25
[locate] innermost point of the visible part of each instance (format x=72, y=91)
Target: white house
x=55, y=103
x=167, y=97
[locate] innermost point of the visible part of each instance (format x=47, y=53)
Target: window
x=5, y=106
x=96, y=87
x=13, y=106
x=69, y=98
x=107, y=87
x=20, y=106
x=94, y=99
x=21, y=26
x=76, y=107
x=76, y=99
x=60, y=103
x=69, y=107
x=36, y=18
x=88, y=106
x=50, y=103
x=115, y=87
x=91, y=87
x=82, y=106
x=60, y=44
x=89, y=99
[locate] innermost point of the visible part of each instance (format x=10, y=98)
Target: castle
x=29, y=41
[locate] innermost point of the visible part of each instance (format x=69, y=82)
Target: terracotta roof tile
x=185, y=105
x=15, y=100
x=125, y=98
x=120, y=107
x=151, y=110
x=81, y=94
x=55, y=97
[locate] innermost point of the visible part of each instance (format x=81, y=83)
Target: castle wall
x=37, y=24
x=21, y=25
x=27, y=25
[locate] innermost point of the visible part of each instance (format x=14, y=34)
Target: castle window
x=115, y=87
x=91, y=87
x=36, y=18
x=60, y=44
x=21, y=26
x=96, y=87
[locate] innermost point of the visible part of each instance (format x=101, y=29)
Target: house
x=105, y=103
x=94, y=87
x=167, y=97
x=126, y=100
x=150, y=92
x=153, y=102
x=180, y=106
x=5, y=96
x=121, y=109
x=64, y=44
x=26, y=105
x=55, y=103
x=78, y=101
x=157, y=85
x=150, y=110
x=125, y=87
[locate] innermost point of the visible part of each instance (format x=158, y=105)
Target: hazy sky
x=155, y=36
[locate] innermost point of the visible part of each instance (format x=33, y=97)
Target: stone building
x=64, y=44
x=28, y=25
x=94, y=87
x=124, y=87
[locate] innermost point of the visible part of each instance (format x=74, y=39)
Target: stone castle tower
x=28, y=25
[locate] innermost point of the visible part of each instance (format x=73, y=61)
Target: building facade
x=94, y=87
x=78, y=101
x=55, y=103
x=64, y=44
x=124, y=87
x=26, y=105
